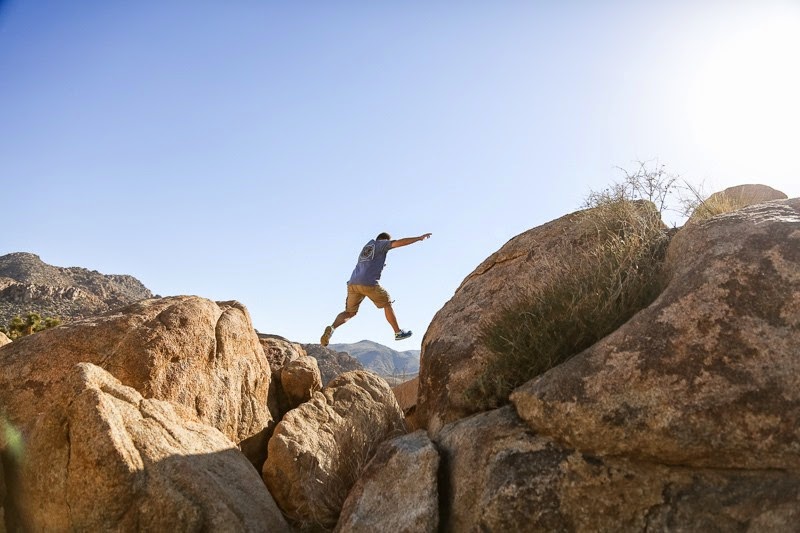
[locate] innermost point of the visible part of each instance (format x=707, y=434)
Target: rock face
x=187, y=350
x=331, y=363
x=452, y=355
x=105, y=458
x=300, y=379
x=750, y=194
x=406, y=394
x=398, y=490
x=734, y=198
x=27, y=284
x=319, y=449
x=280, y=351
x=706, y=376
x=502, y=476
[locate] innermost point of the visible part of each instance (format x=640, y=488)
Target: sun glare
x=746, y=95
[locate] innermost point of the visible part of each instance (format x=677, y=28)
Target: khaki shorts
x=356, y=294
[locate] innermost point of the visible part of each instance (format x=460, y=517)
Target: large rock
x=107, y=459
x=295, y=375
x=734, y=198
x=406, y=394
x=706, y=376
x=319, y=449
x=501, y=476
x=188, y=350
x=280, y=351
x=750, y=194
x=300, y=379
x=398, y=490
x=453, y=356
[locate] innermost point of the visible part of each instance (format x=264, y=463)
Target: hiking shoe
x=400, y=335
x=326, y=337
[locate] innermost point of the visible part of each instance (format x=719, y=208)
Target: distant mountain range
x=29, y=285
x=381, y=359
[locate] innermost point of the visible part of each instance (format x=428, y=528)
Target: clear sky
x=248, y=149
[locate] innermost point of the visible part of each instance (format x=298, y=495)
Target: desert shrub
x=33, y=322
x=612, y=273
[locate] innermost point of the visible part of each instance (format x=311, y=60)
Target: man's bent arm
x=409, y=240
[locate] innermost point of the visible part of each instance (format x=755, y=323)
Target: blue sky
x=247, y=150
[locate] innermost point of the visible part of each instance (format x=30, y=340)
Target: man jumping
x=364, y=283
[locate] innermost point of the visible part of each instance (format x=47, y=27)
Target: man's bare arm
x=409, y=240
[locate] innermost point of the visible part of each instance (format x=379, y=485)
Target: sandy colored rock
x=734, y=198
x=332, y=363
x=319, y=449
x=4, y=339
x=406, y=394
x=398, y=490
x=185, y=349
x=300, y=379
x=107, y=459
x=751, y=194
x=706, y=376
x=501, y=476
x=280, y=351
x=452, y=356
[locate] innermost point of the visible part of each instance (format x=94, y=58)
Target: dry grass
x=599, y=289
x=716, y=204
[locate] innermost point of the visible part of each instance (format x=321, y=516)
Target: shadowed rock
x=501, y=476
x=107, y=459
x=2, y=496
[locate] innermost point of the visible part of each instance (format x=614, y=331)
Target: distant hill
x=381, y=359
x=28, y=284
x=331, y=362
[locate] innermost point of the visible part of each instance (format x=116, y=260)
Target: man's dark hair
x=383, y=237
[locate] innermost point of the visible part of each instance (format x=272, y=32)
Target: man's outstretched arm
x=409, y=240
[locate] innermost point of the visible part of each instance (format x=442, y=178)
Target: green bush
x=33, y=322
x=614, y=272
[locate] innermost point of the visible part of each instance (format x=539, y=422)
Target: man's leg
x=351, y=305
x=390, y=317
x=341, y=318
x=399, y=334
